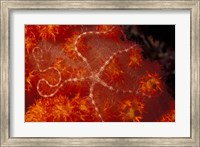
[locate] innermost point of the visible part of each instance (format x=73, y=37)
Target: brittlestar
x=94, y=77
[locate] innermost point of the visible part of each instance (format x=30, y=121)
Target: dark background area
x=158, y=43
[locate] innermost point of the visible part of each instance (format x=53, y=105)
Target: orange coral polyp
x=135, y=59
x=49, y=32
x=28, y=84
x=30, y=39
x=150, y=84
x=103, y=28
x=114, y=71
x=131, y=109
x=168, y=117
x=69, y=47
x=61, y=108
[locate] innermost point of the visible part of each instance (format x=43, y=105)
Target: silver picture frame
x=192, y=6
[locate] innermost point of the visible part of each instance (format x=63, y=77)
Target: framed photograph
x=100, y=73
